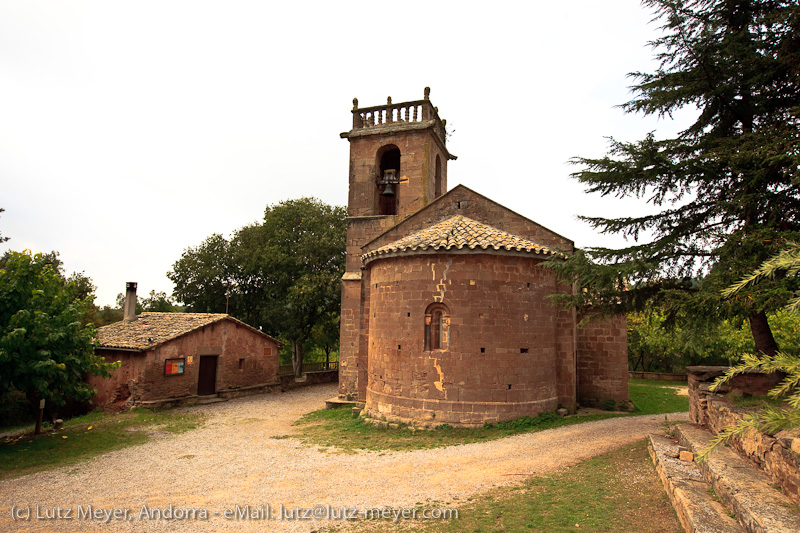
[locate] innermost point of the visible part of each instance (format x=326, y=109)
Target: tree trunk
x=297, y=358
x=762, y=334
x=33, y=400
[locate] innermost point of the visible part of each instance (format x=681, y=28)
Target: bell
x=388, y=190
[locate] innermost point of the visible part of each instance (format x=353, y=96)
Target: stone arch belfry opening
x=446, y=316
x=387, y=181
x=408, y=137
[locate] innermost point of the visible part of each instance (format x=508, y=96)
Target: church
x=445, y=316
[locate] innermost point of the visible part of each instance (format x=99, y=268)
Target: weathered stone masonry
x=503, y=348
x=241, y=359
x=445, y=315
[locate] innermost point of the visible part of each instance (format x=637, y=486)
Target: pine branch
x=787, y=260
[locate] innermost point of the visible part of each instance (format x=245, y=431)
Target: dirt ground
x=243, y=471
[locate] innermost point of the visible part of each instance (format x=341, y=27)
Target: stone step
x=205, y=400
x=336, y=402
x=694, y=502
x=758, y=505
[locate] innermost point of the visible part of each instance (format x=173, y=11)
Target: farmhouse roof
x=460, y=233
x=150, y=330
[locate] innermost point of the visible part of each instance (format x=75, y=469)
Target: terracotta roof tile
x=152, y=329
x=458, y=233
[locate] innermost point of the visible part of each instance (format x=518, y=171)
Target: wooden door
x=207, y=379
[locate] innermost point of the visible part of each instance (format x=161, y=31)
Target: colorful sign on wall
x=174, y=367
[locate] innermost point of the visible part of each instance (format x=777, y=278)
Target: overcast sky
x=130, y=131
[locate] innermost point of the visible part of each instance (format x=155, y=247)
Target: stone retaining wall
x=309, y=378
x=660, y=376
x=776, y=455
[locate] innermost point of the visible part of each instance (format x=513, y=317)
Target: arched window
x=388, y=179
x=437, y=327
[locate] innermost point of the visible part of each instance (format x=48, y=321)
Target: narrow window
x=437, y=183
x=437, y=327
x=241, y=364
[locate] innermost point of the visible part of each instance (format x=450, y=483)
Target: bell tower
x=398, y=165
x=398, y=158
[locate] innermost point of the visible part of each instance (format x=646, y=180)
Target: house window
x=437, y=327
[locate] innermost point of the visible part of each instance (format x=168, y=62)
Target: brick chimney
x=129, y=308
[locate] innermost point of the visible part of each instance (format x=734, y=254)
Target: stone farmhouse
x=445, y=315
x=169, y=358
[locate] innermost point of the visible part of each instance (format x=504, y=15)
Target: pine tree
x=726, y=188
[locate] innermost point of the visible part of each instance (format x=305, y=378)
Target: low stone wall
x=777, y=455
x=700, y=379
x=661, y=376
x=193, y=399
x=283, y=384
x=309, y=378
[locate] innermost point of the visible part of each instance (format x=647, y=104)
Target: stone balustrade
x=403, y=113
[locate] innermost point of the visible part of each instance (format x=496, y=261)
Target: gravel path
x=244, y=455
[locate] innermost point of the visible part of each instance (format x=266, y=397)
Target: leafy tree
x=158, y=302
x=724, y=187
x=654, y=345
x=325, y=334
x=45, y=350
x=79, y=284
x=282, y=274
x=293, y=261
x=201, y=276
x=106, y=315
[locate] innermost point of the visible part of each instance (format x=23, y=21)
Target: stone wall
x=419, y=149
x=244, y=359
x=777, y=455
x=700, y=379
x=464, y=201
x=349, y=329
x=503, y=358
x=309, y=378
x=602, y=353
x=658, y=376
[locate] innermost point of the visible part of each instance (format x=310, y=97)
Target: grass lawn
x=339, y=428
x=653, y=397
x=86, y=436
x=348, y=433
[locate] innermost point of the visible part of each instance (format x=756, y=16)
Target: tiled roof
x=458, y=233
x=152, y=329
